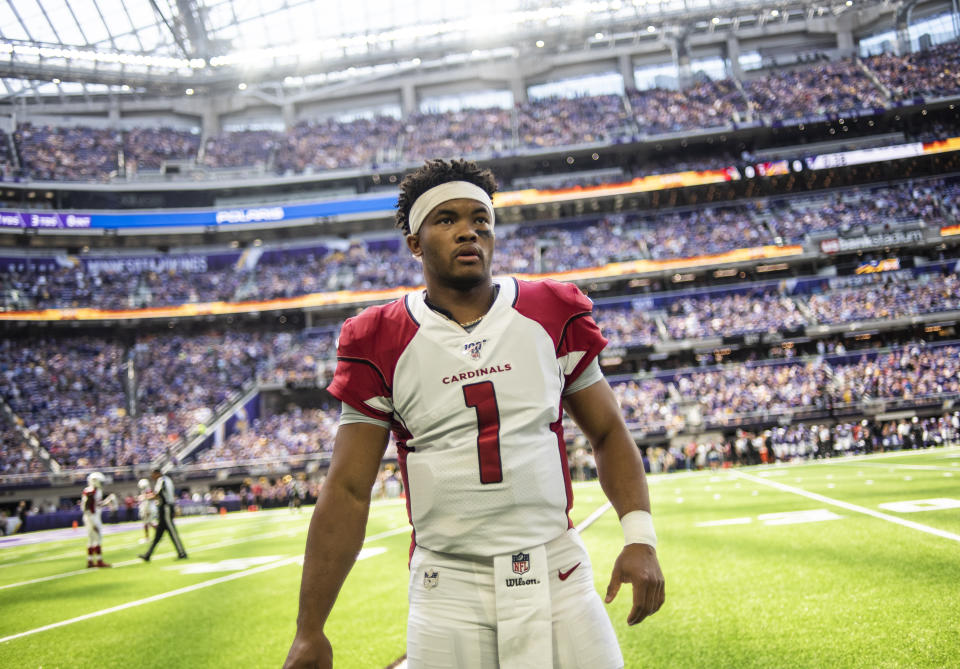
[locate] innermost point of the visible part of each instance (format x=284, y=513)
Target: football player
x=472, y=375
x=92, y=502
x=148, y=509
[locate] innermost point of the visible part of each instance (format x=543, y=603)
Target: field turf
x=789, y=566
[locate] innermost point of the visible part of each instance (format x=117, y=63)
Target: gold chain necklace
x=473, y=322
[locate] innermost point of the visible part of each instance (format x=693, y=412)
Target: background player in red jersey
x=470, y=375
x=92, y=502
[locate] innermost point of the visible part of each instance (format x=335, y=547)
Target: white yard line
x=893, y=465
x=180, y=591
x=592, y=518
x=118, y=547
x=154, y=598
x=191, y=550
x=846, y=459
x=127, y=563
x=848, y=506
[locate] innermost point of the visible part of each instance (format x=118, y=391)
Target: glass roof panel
x=93, y=28
x=10, y=27
x=66, y=27
x=37, y=25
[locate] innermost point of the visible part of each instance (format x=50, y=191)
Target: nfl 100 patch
x=472, y=349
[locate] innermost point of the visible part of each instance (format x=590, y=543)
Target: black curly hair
x=436, y=172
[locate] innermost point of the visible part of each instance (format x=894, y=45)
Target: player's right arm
x=336, y=535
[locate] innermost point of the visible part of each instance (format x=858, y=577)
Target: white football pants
x=453, y=612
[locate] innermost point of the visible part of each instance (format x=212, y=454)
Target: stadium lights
x=412, y=34
x=242, y=86
x=120, y=58
x=189, y=91
x=540, y=43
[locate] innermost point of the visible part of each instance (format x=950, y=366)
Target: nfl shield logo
x=473, y=349
x=431, y=578
x=521, y=563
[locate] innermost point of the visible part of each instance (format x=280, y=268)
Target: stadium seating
x=776, y=94
x=532, y=249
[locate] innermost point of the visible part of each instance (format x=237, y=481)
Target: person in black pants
x=164, y=494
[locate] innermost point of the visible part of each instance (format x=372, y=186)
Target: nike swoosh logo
x=564, y=575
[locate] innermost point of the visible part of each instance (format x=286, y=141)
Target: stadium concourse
x=766, y=218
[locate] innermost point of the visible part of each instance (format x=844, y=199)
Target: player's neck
x=465, y=306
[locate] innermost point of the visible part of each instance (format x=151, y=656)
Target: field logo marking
x=912, y=506
x=851, y=507
x=785, y=518
x=362, y=555
x=232, y=564
x=727, y=521
x=796, y=517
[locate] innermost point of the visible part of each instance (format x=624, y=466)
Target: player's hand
x=637, y=564
x=310, y=652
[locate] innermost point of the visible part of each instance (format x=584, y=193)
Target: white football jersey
x=90, y=501
x=476, y=415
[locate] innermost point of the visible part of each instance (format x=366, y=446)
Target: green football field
x=847, y=563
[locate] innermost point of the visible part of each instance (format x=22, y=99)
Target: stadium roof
x=56, y=47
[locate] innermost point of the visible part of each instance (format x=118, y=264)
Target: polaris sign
x=255, y=215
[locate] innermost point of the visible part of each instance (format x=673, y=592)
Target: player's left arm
x=620, y=469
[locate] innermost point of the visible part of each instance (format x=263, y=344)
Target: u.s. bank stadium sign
x=895, y=238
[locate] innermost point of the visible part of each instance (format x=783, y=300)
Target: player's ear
x=413, y=243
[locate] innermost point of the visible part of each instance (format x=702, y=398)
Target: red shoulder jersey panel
x=367, y=352
x=564, y=312
x=90, y=499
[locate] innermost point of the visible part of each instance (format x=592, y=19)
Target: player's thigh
x=452, y=614
x=583, y=636
x=94, y=531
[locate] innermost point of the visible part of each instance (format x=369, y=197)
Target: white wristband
x=638, y=529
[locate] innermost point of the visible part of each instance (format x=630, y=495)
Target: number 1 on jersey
x=483, y=399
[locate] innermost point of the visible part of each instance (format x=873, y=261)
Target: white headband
x=451, y=190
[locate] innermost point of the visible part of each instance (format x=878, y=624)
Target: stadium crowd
x=296, y=432
x=930, y=73
x=525, y=249
x=802, y=90
x=16, y=457
x=706, y=104
x=802, y=441
x=794, y=218
x=823, y=88
x=710, y=316
x=70, y=395
x=900, y=295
